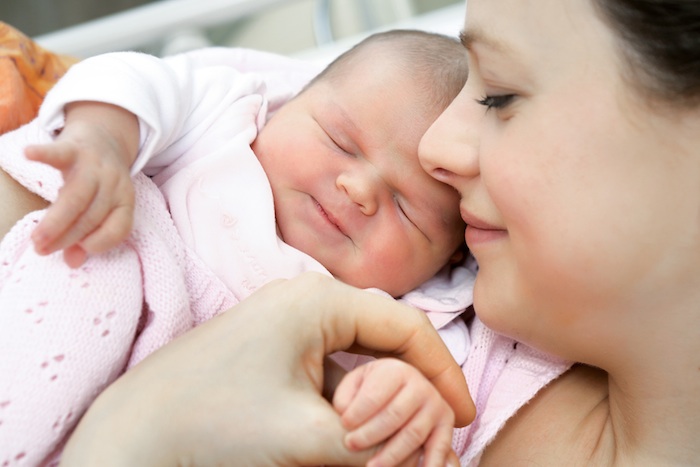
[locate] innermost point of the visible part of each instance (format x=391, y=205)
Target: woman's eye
x=496, y=102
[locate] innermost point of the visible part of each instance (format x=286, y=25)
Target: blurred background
x=278, y=26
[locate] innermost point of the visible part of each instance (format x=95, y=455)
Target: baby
x=256, y=188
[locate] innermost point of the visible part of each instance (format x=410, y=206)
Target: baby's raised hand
x=94, y=209
x=389, y=401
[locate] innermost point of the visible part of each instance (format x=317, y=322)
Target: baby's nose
x=363, y=188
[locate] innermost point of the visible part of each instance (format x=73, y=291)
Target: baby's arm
x=94, y=210
x=389, y=401
x=175, y=101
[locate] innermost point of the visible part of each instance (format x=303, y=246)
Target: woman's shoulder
x=566, y=423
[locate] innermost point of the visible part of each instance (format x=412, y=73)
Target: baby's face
x=348, y=187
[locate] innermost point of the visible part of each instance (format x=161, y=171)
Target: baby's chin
x=390, y=290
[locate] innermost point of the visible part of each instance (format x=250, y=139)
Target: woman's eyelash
x=495, y=102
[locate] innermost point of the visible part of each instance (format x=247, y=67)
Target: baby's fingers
x=101, y=226
x=107, y=236
x=112, y=231
x=426, y=431
x=64, y=223
x=346, y=391
x=58, y=155
x=438, y=448
x=364, y=392
x=74, y=256
x=389, y=420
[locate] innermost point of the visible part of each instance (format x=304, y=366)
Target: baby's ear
x=460, y=254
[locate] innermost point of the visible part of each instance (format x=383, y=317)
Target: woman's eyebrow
x=466, y=39
x=477, y=36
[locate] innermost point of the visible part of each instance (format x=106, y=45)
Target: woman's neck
x=656, y=418
x=653, y=398
x=644, y=411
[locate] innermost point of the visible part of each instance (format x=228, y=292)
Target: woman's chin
x=497, y=309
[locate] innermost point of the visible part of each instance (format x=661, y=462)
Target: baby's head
x=342, y=160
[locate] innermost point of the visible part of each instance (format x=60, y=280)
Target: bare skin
x=572, y=414
x=17, y=202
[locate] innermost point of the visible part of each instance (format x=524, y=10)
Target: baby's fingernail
x=348, y=441
x=40, y=249
x=38, y=236
x=351, y=443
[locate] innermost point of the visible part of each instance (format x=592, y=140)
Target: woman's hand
x=245, y=387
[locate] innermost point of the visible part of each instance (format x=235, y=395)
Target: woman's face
x=580, y=201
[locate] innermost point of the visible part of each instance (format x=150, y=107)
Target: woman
x=575, y=147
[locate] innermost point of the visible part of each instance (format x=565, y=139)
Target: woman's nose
x=449, y=150
x=363, y=187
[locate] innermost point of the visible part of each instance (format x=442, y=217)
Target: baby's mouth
x=329, y=217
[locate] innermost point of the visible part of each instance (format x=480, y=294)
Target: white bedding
x=447, y=20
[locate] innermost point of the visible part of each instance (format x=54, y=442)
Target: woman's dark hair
x=660, y=41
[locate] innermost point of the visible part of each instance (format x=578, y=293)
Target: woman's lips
x=475, y=222
x=474, y=235
x=478, y=230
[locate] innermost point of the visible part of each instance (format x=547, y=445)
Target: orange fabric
x=27, y=72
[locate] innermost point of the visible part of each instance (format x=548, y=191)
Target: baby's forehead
x=384, y=54
x=416, y=82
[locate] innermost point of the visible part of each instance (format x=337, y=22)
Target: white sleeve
x=175, y=99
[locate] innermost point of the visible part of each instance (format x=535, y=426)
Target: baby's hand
x=94, y=209
x=389, y=401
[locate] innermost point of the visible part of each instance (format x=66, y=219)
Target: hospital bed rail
x=168, y=26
